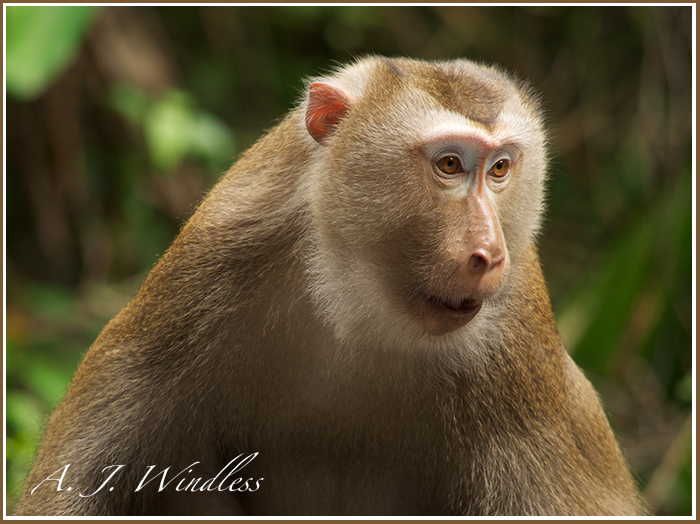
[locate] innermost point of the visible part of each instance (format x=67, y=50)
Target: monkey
x=354, y=321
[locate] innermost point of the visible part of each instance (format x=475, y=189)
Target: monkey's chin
x=439, y=316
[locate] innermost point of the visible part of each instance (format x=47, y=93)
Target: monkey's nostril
x=478, y=263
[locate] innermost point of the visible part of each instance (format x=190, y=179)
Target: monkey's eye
x=449, y=165
x=500, y=168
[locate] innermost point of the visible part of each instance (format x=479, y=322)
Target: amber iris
x=501, y=168
x=449, y=165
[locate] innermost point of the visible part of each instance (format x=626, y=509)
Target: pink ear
x=327, y=105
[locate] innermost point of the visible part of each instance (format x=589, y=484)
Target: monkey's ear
x=327, y=105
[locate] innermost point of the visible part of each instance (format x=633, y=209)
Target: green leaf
x=167, y=126
x=594, y=322
x=40, y=42
x=53, y=302
x=175, y=128
x=212, y=140
x=130, y=102
x=637, y=274
x=24, y=412
x=683, y=390
x=21, y=448
x=49, y=381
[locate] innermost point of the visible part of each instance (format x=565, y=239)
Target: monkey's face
x=425, y=207
x=465, y=172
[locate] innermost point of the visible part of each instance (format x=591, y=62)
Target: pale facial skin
x=469, y=170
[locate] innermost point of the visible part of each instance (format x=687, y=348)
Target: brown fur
x=227, y=347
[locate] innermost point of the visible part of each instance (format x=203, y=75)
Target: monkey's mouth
x=456, y=306
x=440, y=315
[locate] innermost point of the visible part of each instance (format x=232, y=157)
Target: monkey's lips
x=439, y=315
x=465, y=308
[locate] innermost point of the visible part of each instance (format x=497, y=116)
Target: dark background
x=120, y=118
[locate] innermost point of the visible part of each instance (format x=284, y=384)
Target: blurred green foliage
x=31, y=62
x=120, y=118
x=173, y=127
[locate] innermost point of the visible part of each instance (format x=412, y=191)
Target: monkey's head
x=426, y=188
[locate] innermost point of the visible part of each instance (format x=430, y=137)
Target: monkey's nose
x=481, y=261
